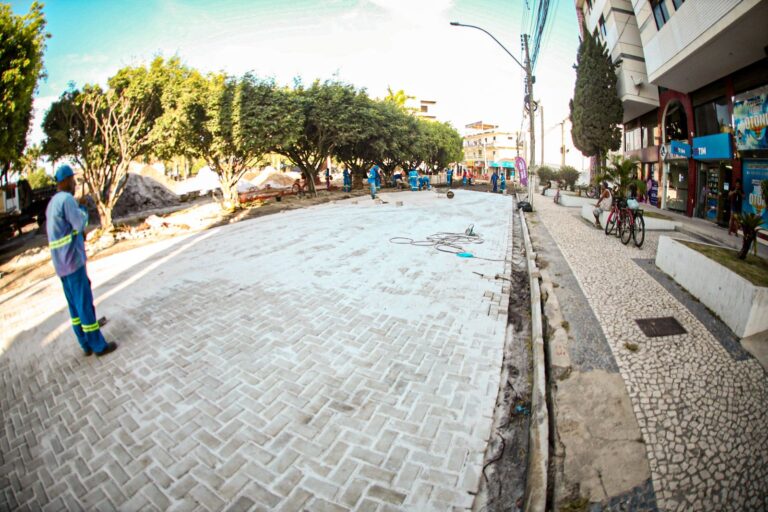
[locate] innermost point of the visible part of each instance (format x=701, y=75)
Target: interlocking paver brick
x=284, y=362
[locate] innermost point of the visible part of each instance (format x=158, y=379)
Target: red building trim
x=665, y=98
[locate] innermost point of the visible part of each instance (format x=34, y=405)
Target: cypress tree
x=596, y=110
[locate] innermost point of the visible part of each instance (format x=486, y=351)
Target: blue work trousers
x=77, y=289
x=347, y=185
x=373, y=189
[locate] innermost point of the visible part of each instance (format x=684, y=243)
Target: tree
x=232, y=123
x=400, y=131
x=749, y=223
x=596, y=110
x=323, y=116
x=399, y=98
x=569, y=175
x=546, y=173
x=39, y=179
x=102, y=131
x=444, y=144
x=22, y=43
x=368, y=135
x=622, y=172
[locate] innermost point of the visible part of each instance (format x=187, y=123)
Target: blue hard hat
x=63, y=172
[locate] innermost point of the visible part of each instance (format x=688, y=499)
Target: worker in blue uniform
x=413, y=179
x=464, y=178
x=372, y=174
x=503, y=181
x=495, y=181
x=449, y=176
x=66, y=223
x=347, y=181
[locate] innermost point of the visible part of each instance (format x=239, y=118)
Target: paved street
x=298, y=360
x=700, y=400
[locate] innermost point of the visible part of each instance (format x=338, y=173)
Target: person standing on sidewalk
x=347, y=181
x=735, y=197
x=66, y=223
x=495, y=182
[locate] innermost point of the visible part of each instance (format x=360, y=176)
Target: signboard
x=653, y=192
x=712, y=147
x=522, y=168
x=753, y=172
x=678, y=148
x=750, y=119
x=493, y=164
x=508, y=165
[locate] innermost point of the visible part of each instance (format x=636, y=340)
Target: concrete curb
x=538, y=443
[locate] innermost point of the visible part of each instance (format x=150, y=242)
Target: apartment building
x=486, y=148
x=693, y=79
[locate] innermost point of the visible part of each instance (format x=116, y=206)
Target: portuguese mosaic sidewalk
x=700, y=400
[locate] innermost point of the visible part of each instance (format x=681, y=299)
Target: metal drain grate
x=664, y=326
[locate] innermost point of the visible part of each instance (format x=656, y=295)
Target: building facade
x=488, y=149
x=693, y=79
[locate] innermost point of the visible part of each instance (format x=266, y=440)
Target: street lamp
x=529, y=97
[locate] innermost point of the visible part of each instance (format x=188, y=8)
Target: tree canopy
x=173, y=113
x=22, y=42
x=596, y=110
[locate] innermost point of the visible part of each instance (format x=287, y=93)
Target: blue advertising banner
x=753, y=172
x=750, y=119
x=712, y=147
x=508, y=165
x=680, y=148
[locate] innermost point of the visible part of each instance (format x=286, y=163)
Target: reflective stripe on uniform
x=91, y=327
x=64, y=241
x=75, y=321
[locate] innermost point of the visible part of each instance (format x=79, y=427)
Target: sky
x=372, y=44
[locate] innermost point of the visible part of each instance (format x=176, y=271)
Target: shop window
x=675, y=123
x=660, y=12
x=677, y=3
x=712, y=117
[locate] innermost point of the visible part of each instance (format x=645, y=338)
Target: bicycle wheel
x=625, y=228
x=610, y=223
x=639, y=232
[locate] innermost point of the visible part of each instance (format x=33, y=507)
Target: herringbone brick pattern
x=254, y=394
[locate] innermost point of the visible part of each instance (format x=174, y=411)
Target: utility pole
x=529, y=98
x=541, y=110
x=529, y=83
x=562, y=142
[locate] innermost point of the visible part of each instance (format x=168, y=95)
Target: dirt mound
x=143, y=193
x=275, y=179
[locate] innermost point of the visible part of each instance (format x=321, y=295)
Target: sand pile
x=143, y=193
x=275, y=179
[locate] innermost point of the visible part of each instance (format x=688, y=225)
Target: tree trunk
x=749, y=238
x=105, y=216
x=231, y=200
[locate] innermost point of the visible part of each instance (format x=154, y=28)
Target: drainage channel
x=505, y=469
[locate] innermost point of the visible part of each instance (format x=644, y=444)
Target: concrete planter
x=739, y=303
x=651, y=223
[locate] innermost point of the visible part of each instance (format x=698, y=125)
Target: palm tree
x=622, y=172
x=749, y=223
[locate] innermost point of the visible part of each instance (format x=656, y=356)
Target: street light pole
x=529, y=97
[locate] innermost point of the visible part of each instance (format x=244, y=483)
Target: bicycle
x=632, y=225
x=614, y=216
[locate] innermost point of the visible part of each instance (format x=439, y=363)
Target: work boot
x=111, y=347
